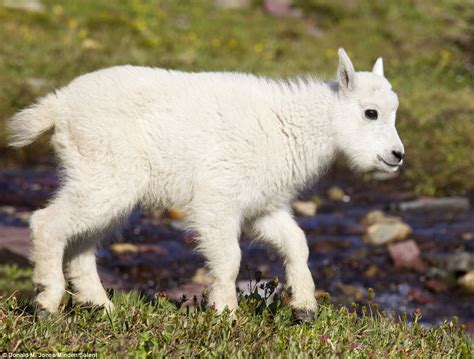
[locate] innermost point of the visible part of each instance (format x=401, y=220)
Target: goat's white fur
x=229, y=149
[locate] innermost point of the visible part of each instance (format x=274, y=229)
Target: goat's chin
x=358, y=165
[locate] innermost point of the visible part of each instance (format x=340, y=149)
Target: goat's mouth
x=392, y=166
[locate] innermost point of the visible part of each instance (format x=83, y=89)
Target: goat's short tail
x=27, y=125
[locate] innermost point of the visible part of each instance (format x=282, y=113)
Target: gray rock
x=467, y=281
x=432, y=204
x=459, y=262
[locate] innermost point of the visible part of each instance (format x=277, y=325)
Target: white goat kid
x=230, y=149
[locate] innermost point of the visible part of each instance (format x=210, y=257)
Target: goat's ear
x=378, y=67
x=345, y=72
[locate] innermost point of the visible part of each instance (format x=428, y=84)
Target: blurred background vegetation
x=427, y=45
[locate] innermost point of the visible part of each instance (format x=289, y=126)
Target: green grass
x=141, y=327
x=427, y=47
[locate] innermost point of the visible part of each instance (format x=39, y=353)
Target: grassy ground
x=427, y=46
x=159, y=328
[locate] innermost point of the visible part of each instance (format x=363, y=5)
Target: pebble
x=371, y=271
x=304, y=208
x=121, y=248
x=201, y=277
x=387, y=232
x=420, y=296
x=354, y=291
x=436, y=285
x=467, y=281
x=337, y=194
x=406, y=254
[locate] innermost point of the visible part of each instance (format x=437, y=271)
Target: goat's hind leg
x=78, y=211
x=81, y=270
x=47, y=231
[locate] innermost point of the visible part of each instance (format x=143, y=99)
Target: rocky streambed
x=416, y=253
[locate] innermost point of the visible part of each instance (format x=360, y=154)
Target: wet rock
x=337, y=194
x=201, y=277
x=157, y=213
x=233, y=4
x=304, y=208
x=353, y=291
x=371, y=271
x=468, y=236
x=459, y=262
x=467, y=281
x=178, y=225
x=9, y=210
x=23, y=216
x=436, y=285
x=418, y=295
x=26, y=5
x=15, y=239
x=433, y=204
x=387, y=232
x=373, y=217
x=15, y=245
x=407, y=255
x=328, y=244
x=378, y=216
x=176, y=214
x=122, y=248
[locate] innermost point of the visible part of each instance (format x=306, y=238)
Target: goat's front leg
x=218, y=241
x=280, y=229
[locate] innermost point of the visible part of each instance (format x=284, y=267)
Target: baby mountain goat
x=231, y=150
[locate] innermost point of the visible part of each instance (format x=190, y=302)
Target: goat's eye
x=371, y=114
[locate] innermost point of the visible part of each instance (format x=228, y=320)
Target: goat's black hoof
x=42, y=313
x=304, y=316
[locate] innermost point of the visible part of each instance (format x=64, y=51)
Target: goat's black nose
x=399, y=155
